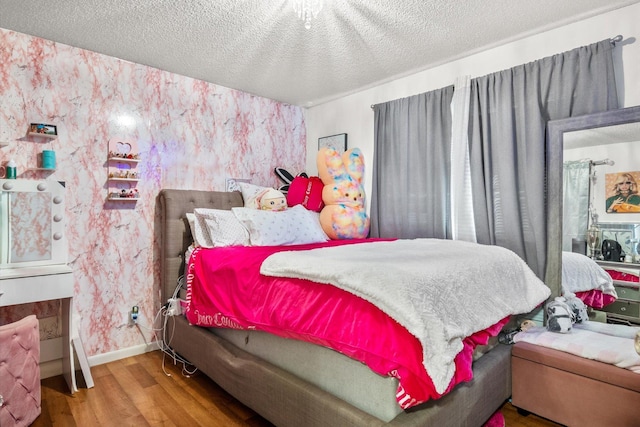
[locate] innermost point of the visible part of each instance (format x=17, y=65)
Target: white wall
x=353, y=115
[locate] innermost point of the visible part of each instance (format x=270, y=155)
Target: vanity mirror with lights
x=31, y=223
x=600, y=157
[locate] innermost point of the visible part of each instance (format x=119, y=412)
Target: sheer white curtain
x=462, y=222
x=575, y=208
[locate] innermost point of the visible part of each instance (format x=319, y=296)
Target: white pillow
x=222, y=227
x=251, y=194
x=199, y=232
x=580, y=274
x=293, y=226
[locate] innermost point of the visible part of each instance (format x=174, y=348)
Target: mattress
x=329, y=370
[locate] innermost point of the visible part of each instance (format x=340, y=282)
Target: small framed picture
x=338, y=142
x=232, y=183
x=43, y=129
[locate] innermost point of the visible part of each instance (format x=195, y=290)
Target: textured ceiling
x=261, y=47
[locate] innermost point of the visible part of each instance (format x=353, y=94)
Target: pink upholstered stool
x=19, y=372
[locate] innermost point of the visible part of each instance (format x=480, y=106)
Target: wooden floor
x=137, y=392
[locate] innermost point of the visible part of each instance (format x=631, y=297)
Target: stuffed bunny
x=344, y=215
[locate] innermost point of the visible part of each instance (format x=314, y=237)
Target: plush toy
x=560, y=317
x=344, y=215
x=287, y=178
x=577, y=306
x=272, y=200
x=506, y=336
x=526, y=325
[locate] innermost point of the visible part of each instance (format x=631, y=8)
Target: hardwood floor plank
x=137, y=392
x=197, y=402
x=112, y=405
x=53, y=403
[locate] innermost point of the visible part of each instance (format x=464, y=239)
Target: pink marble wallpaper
x=190, y=134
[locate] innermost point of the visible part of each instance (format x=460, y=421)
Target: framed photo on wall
x=43, y=129
x=622, y=192
x=338, y=142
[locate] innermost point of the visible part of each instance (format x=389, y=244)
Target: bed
x=287, y=396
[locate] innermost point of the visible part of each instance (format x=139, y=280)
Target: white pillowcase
x=293, y=226
x=220, y=228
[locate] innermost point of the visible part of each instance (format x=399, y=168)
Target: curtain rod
x=602, y=162
x=613, y=40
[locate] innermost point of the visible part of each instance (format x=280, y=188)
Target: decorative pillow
x=293, y=226
x=306, y=191
x=222, y=228
x=251, y=194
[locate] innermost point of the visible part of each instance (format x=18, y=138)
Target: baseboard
x=51, y=356
x=100, y=359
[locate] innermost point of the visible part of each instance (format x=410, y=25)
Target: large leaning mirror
x=595, y=161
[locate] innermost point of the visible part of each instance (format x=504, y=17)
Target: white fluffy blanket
x=440, y=290
x=614, y=346
x=581, y=274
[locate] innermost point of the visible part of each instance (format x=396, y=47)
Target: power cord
x=166, y=341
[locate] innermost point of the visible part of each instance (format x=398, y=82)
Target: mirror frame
x=555, y=139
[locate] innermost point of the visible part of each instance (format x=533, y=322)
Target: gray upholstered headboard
x=175, y=235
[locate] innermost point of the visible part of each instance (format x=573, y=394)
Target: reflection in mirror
x=601, y=171
x=627, y=235
x=30, y=218
x=563, y=130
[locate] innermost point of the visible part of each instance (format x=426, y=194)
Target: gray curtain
x=507, y=128
x=411, y=169
x=575, y=206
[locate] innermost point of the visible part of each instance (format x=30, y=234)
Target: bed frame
x=279, y=396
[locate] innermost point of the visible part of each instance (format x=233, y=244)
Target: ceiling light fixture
x=307, y=10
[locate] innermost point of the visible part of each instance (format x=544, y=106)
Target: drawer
x=22, y=290
x=624, y=308
x=624, y=292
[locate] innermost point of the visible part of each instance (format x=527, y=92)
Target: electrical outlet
x=135, y=311
x=173, y=307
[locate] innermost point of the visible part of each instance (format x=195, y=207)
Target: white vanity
x=33, y=254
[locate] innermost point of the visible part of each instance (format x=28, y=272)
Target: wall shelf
x=42, y=135
x=122, y=174
x=123, y=199
x=123, y=160
x=125, y=179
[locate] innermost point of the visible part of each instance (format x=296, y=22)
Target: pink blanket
x=225, y=289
